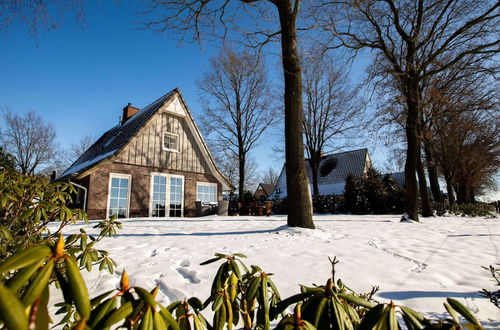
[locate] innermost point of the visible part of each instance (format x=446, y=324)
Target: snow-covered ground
x=415, y=264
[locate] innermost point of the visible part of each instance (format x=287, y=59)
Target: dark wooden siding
x=145, y=149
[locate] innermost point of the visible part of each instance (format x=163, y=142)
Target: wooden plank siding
x=145, y=149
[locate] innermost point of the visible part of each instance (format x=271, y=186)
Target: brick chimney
x=128, y=112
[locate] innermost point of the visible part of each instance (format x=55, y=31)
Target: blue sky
x=80, y=76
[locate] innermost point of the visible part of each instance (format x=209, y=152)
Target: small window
x=206, y=192
x=170, y=141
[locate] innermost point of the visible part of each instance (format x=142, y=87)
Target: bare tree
x=270, y=176
x=468, y=149
x=413, y=40
x=462, y=130
x=332, y=109
x=38, y=15
x=238, y=105
x=218, y=17
x=77, y=149
x=228, y=163
x=29, y=139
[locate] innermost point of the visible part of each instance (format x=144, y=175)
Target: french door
x=167, y=195
x=118, y=195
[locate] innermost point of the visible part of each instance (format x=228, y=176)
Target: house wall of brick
x=97, y=184
x=260, y=193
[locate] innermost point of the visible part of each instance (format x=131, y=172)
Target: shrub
x=333, y=204
x=469, y=209
x=239, y=296
x=493, y=296
x=29, y=203
x=280, y=206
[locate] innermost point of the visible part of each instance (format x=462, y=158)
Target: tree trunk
x=411, y=194
x=424, y=194
x=449, y=189
x=299, y=197
x=241, y=182
x=432, y=170
x=461, y=193
x=314, y=163
x=472, y=195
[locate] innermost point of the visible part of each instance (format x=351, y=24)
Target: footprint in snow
x=169, y=292
x=189, y=275
x=419, y=266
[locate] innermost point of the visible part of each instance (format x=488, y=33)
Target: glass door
x=118, y=195
x=167, y=199
x=176, y=196
x=159, y=196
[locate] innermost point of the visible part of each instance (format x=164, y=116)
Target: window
x=167, y=195
x=118, y=200
x=170, y=141
x=206, y=192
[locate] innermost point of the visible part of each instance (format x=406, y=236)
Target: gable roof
x=267, y=187
x=115, y=139
x=333, y=169
x=399, y=177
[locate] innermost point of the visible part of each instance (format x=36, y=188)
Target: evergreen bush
x=477, y=209
x=29, y=203
x=239, y=297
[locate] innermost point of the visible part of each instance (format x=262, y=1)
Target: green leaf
x=463, y=311
x=158, y=322
x=119, y=314
x=42, y=318
x=38, y=284
x=22, y=277
x=145, y=296
x=352, y=299
x=12, y=310
x=209, y=261
x=413, y=317
x=78, y=288
x=168, y=318
x=241, y=255
x=98, y=313
x=452, y=312
x=26, y=257
x=253, y=286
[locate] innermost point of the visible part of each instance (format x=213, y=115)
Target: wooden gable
x=146, y=147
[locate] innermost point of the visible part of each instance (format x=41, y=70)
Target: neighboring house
x=154, y=163
x=263, y=191
x=333, y=171
x=399, y=177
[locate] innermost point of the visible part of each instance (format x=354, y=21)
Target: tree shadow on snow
x=225, y=233
x=403, y=295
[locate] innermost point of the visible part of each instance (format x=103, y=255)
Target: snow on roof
x=115, y=138
x=333, y=169
x=87, y=163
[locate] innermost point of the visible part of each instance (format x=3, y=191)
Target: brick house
x=263, y=191
x=154, y=163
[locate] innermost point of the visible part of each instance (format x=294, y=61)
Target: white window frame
x=176, y=136
x=122, y=176
x=210, y=184
x=167, y=192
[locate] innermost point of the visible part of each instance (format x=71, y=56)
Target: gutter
x=84, y=195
